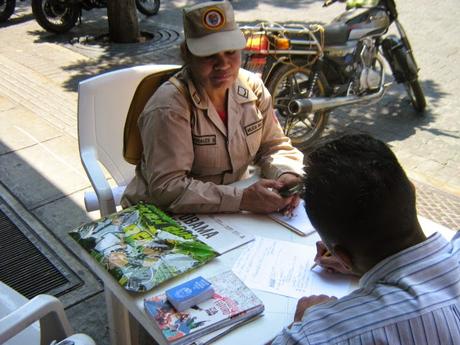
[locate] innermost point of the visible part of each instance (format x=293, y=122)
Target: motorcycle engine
x=368, y=72
x=369, y=79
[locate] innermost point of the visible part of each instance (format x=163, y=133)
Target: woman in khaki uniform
x=201, y=137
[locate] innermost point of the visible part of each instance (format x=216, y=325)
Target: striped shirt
x=410, y=298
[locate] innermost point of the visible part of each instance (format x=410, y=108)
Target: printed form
x=284, y=268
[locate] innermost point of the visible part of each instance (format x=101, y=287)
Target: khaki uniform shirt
x=190, y=156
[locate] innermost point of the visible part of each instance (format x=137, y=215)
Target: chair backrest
x=103, y=104
x=132, y=143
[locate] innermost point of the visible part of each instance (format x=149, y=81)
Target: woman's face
x=217, y=71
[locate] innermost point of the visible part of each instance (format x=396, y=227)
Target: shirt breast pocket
x=205, y=151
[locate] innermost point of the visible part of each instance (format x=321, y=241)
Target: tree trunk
x=123, y=23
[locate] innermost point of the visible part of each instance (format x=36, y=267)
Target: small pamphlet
x=190, y=293
x=232, y=303
x=297, y=222
x=142, y=247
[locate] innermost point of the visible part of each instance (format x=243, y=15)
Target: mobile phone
x=288, y=191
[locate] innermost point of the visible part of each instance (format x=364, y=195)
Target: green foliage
x=197, y=250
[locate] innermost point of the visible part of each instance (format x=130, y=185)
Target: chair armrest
x=98, y=181
x=45, y=308
x=92, y=203
x=76, y=339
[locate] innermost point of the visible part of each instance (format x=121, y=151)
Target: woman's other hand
x=263, y=197
x=289, y=180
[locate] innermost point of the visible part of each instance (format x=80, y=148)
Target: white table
x=125, y=310
x=279, y=310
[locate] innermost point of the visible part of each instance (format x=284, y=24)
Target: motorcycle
x=310, y=70
x=6, y=9
x=60, y=16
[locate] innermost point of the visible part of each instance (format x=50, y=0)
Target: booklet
x=210, y=338
x=211, y=229
x=297, y=222
x=232, y=303
x=142, y=247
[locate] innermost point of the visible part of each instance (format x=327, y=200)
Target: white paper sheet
x=298, y=221
x=285, y=268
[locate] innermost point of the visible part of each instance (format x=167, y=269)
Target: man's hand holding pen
x=328, y=261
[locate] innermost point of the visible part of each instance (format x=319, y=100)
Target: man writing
x=362, y=204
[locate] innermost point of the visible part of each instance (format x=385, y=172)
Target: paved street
x=41, y=177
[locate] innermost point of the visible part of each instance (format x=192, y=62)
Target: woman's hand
x=289, y=180
x=262, y=197
x=328, y=261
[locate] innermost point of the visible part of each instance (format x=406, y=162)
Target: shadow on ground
x=40, y=202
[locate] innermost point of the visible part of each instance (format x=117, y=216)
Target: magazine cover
x=231, y=303
x=142, y=247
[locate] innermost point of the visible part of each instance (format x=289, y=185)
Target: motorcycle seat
x=335, y=34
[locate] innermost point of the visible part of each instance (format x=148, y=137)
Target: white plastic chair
x=103, y=103
x=39, y=321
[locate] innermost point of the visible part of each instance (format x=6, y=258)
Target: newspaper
x=213, y=231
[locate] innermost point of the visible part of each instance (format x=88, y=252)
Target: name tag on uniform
x=204, y=139
x=253, y=127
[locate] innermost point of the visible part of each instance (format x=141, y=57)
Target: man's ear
x=343, y=256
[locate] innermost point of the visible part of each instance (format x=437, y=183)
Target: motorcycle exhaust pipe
x=314, y=104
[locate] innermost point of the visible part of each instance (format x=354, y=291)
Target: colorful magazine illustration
x=142, y=247
x=232, y=303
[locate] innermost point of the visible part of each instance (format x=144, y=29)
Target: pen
x=328, y=253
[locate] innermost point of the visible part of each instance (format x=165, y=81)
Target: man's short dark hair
x=357, y=195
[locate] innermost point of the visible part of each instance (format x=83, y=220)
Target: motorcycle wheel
x=55, y=16
x=148, y=7
x=413, y=88
x=6, y=9
x=289, y=82
x=415, y=92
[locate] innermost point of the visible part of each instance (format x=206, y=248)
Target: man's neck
x=416, y=236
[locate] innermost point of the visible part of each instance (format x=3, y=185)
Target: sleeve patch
x=253, y=127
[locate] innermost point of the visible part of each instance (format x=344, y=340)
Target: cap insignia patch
x=213, y=19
